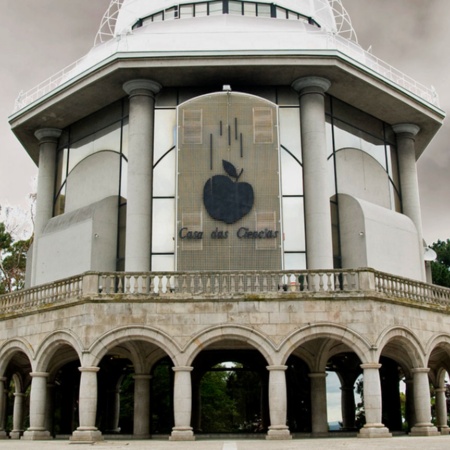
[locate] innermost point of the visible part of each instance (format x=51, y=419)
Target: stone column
x=182, y=404
x=409, y=185
x=113, y=410
x=319, y=417
x=409, y=407
x=141, y=427
x=50, y=407
x=140, y=174
x=17, y=430
x=316, y=181
x=277, y=403
x=348, y=407
x=38, y=400
x=48, y=142
x=422, y=404
x=372, y=403
x=3, y=434
x=87, y=431
x=441, y=411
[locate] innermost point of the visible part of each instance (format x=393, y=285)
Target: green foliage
x=13, y=256
x=440, y=268
x=230, y=400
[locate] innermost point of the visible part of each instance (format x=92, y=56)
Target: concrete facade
x=110, y=319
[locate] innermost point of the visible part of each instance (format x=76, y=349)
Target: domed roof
x=133, y=10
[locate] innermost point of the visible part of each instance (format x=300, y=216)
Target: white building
x=213, y=177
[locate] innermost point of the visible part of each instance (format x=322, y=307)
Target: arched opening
x=229, y=391
x=17, y=395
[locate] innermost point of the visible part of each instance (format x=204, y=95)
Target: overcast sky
x=40, y=37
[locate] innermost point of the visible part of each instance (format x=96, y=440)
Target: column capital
x=370, y=366
x=88, y=369
x=420, y=370
x=19, y=394
x=440, y=389
x=141, y=87
x=310, y=85
x=281, y=367
x=142, y=376
x=39, y=374
x=317, y=375
x=406, y=129
x=47, y=134
x=182, y=369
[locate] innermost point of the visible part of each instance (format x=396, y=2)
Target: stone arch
x=414, y=357
x=237, y=332
x=438, y=357
x=49, y=346
x=356, y=342
x=8, y=349
x=108, y=340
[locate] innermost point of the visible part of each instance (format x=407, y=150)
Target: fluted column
x=182, y=404
x=38, y=404
x=422, y=404
x=17, y=430
x=48, y=142
x=3, y=434
x=141, y=427
x=277, y=403
x=372, y=403
x=319, y=417
x=140, y=173
x=87, y=431
x=409, y=184
x=319, y=245
x=441, y=410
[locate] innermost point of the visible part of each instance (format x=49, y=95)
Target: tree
x=440, y=268
x=13, y=257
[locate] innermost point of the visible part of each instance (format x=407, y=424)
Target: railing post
x=90, y=284
x=366, y=280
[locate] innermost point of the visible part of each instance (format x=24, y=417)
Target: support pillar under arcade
x=372, y=403
x=182, y=404
x=277, y=403
x=319, y=419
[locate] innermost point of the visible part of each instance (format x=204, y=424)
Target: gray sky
x=40, y=37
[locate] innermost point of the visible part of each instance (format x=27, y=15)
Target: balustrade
x=225, y=284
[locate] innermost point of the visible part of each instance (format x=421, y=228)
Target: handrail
x=333, y=41
x=210, y=285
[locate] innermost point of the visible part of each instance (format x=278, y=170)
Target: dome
x=133, y=10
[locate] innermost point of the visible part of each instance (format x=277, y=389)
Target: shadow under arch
x=224, y=333
x=355, y=342
x=413, y=357
x=48, y=348
x=12, y=346
x=117, y=336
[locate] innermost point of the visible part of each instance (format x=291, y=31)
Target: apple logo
x=227, y=200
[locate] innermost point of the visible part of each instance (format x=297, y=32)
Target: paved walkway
x=395, y=443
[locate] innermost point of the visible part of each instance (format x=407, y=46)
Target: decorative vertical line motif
x=211, y=151
x=220, y=128
x=235, y=129
x=229, y=135
x=241, y=146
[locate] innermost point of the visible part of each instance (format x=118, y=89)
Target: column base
x=444, y=430
x=3, y=435
x=424, y=430
x=36, y=435
x=86, y=436
x=374, y=431
x=182, y=434
x=15, y=434
x=278, y=433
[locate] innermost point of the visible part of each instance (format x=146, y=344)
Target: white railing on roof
x=331, y=42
